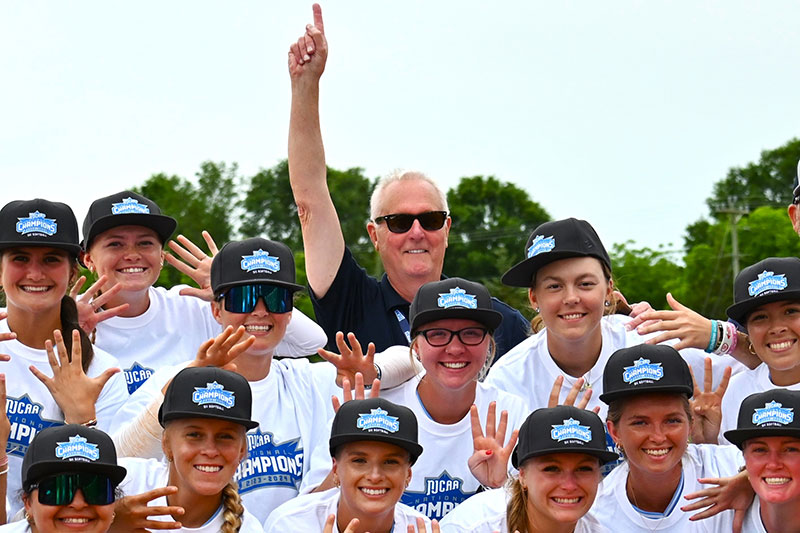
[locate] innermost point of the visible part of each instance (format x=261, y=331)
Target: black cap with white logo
x=253, y=260
x=208, y=392
x=453, y=298
x=646, y=368
x=561, y=429
x=375, y=419
x=70, y=448
x=552, y=241
x=125, y=208
x=774, y=279
x=39, y=223
x=773, y=413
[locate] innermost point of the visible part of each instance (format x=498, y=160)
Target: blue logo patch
x=136, y=375
x=541, y=245
x=571, y=429
x=260, y=260
x=440, y=496
x=773, y=414
x=767, y=282
x=37, y=224
x=26, y=420
x=457, y=297
x=378, y=419
x=213, y=394
x=642, y=369
x=78, y=447
x=128, y=206
x=270, y=464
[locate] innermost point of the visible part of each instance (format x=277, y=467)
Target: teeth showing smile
x=373, y=492
x=415, y=251
x=776, y=480
x=255, y=327
x=30, y=288
x=132, y=270
x=780, y=345
x=454, y=365
x=208, y=469
x=75, y=520
x=573, y=316
x=656, y=452
x=566, y=500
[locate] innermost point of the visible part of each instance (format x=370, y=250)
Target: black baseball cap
x=774, y=279
x=375, y=419
x=70, y=448
x=646, y=368
x=772, y=413
x=553, y=241
x=453, y=298
x=39, y=223
x=561, y=429
x=125, y=208
x=253, y=260
x=208, y=392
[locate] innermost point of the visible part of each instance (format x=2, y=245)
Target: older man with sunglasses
x=409, y=227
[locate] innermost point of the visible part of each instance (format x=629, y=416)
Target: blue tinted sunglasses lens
x=60, y=489
x=243, y=298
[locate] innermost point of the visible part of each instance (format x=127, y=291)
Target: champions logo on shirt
x=457, y=297
x=269, y=464
x=128, y=206
x=773, y=414
x=260, y=260
x=767, y=282
x=36, y=224
x=440, y=496
x=213, y=394
x=136, y=375
x=642, y=370
x=571, y=430
x=378, y=419
x=540, y=245
x=26, y=420
x=77, y=447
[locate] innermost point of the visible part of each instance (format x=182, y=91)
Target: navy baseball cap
x=39, y=223
x=552, y=241
x=767, y=414
x=774, y=279
x=255, y=260
x=376, y=419
x=125, y=208
x=453, y=298
x=561, y=429
x=646, y=368
x=208, y=392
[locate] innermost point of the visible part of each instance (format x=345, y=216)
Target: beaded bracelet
x=713, y=341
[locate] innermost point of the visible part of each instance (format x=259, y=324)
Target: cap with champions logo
x=375, y=419
x=70, y=448
x=255, y=260
x=646, y=368
x=125, y=208
x=453, y=298
x=767, y=414
x=772, y=280
x=208, y=392
x=39, y=223
x=552, y=241
x=561, y=429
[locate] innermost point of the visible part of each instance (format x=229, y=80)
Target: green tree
x=644, y=274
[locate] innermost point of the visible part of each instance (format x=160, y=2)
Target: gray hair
x=402, y=175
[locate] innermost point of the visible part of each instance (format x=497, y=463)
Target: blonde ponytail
x=233, y=509
x=516, y=511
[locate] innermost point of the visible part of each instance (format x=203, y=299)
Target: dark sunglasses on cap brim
x=244, y=298
x=401, y=223
x=60, y=489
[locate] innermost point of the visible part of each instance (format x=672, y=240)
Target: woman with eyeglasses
x=70, y=477
x=124, y=236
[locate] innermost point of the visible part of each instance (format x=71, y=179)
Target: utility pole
x=736, y=214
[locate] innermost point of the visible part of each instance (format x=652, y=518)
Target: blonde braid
x=233, y=508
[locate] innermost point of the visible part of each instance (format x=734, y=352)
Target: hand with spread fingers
x=489, y=460
x=421, y=528
x=195, y=263
x=90, y=304
x=74, y=391
x=352, y=526
x=733, y=492
x=706, y=405
x=351, y=359
x=572, y=395
x=357, y=393
x=223, y=349
x=131, y=512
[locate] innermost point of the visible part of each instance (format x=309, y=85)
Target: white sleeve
x=396, y=366
x=303, y=337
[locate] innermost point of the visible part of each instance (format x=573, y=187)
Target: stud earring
x=607, y=303
x=536, y=309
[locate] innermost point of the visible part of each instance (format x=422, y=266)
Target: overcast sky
x=622, y=113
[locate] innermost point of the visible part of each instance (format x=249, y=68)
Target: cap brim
x=413, y=448
x=608, y=397
x=521, y=274
x=605, y=456
x=739, y=436
x=163, y=225
x=293, y=286
x=488, y=317
x=74, y=249
x=46, y=468
x=177, y=415
x=739, y=312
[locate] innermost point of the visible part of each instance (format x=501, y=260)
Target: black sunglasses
x=441, y=337
x=60, y=489
x=401, y=223
x=244, y=298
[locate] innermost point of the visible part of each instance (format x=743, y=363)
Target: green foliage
x=644, y=274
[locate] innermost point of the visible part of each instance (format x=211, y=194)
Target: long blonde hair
x=517, y=509
x=233, y=509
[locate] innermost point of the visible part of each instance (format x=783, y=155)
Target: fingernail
x=306, y=58
x=309, y=49
x=488, y=452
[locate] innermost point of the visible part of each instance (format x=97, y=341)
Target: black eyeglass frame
x=396, y=222
x=426, y=332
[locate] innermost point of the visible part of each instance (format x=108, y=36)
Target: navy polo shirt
x=374, y=311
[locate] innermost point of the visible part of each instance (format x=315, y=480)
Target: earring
x=536, y=309
x=607, y=303
x=750, y=348
x=336, y=481
x=620, y=449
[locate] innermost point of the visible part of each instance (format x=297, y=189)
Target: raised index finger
x=318, y=17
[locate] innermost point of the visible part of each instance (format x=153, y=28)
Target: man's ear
x=372, y=230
